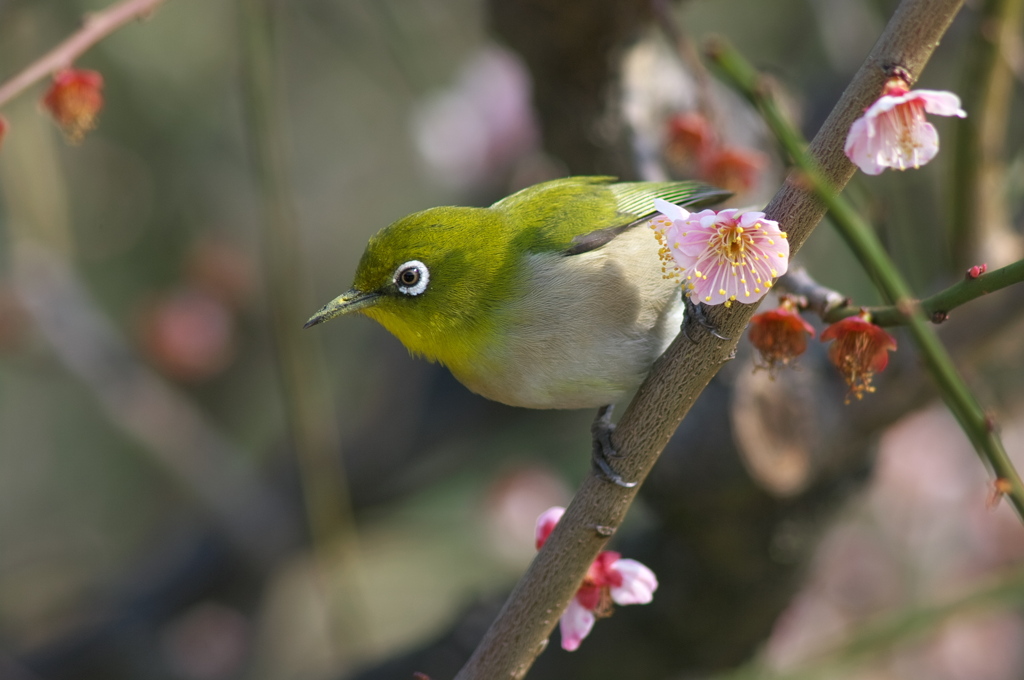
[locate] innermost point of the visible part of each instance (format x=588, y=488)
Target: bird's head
x=431, y=278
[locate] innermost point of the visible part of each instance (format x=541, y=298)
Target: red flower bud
x=690, y=137
x=4, y=127
x=976, y=271
x=779, y=335
x=74, y=100
x=860, y=350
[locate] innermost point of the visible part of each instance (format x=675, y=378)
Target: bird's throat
x=455, y=343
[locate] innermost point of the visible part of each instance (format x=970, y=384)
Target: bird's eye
x=412, y=277
x=409, y=277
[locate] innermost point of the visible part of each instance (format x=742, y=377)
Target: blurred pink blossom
x=188, y=334
x=609, y=580
x=481, y=126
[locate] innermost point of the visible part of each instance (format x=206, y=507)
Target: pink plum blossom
x=721, y=256
x=893, y=132
x=610, y=579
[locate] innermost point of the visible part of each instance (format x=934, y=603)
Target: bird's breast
x=582, y=330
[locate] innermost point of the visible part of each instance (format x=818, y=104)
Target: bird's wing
x=575, y=215
x=635, y=204
x=637, y=198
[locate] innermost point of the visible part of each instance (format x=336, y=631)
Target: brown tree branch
x=522, y=628
x=95, y=27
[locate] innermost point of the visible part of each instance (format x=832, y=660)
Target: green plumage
x=548, y=299
x=550, y=215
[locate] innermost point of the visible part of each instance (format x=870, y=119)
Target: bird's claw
x=696, y=312
x=601, y=431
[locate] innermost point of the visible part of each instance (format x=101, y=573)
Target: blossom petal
x=884, y=104
x=859, y=148
x=546, y=524
x=690, y=242
x=928, y=144
x=638, y=583
x=670, y=210
x=575, y=624
x=940, y=103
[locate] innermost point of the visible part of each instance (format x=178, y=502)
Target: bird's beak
x=350, y=301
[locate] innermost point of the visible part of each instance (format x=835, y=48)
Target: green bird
x=552, y=298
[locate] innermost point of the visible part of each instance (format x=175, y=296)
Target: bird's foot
x=601, y=431
x=696, y=312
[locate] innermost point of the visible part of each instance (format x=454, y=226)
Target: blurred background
x=191, y=487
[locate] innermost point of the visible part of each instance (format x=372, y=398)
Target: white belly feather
x=587, y=330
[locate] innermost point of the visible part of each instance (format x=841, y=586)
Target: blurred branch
x=300, y=362
x=980, y=225
x=95, y=27
x=976, y=423
x=820, y=299
x=522, y=628
x=252, y=515
x=688, y=56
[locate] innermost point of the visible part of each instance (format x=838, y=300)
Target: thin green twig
x=978, y=425
x=938, y=306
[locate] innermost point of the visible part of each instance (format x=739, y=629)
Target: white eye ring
x=412, y=277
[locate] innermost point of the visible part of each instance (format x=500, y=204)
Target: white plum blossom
x=893, y=132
